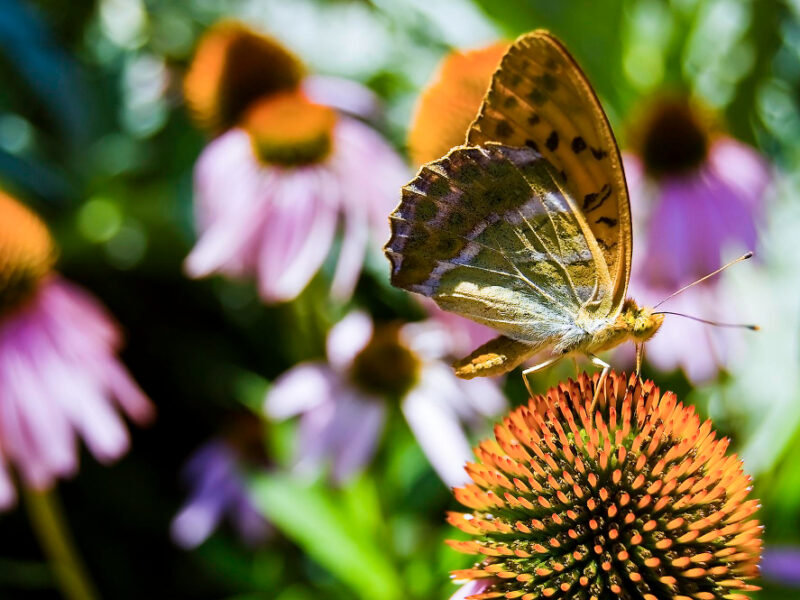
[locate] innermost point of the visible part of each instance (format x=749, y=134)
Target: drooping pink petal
x=297, y=234
x=8, y=495
x=436, y=425
x=466, y=591
x=233, y=192
x=743, y=170
x=299, y=389
x=342, y=94
x=355, y=237
x=57, y=353
x=371, y=173
x=347, y=338
x=217, y=492
x=363, y=419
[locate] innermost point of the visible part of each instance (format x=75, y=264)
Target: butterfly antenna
x=707, y=322
x=702, y=279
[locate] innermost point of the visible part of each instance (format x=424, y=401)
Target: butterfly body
x=526, y=228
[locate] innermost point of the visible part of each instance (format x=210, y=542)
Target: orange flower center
x=450, y=103
x=288, y=129
x=234, y=66
x=386, y=366
x=26, y=252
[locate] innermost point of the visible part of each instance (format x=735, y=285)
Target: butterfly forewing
x=490, y=233
x=540, y=98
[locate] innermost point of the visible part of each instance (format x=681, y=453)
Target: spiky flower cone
x=640, y=501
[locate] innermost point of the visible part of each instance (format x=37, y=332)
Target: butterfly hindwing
x=540, y=98
x=489, y=233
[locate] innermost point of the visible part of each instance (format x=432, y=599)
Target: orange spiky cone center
x=637, y=501
x=288, y=129
x=27, y=252
x=232, y=67
x=451, y=102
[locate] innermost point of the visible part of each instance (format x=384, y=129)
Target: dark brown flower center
x=232, y=68
x=385, y=366
x=675, y=139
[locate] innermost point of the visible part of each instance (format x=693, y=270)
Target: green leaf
x=314, y=517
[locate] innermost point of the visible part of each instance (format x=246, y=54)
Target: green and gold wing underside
x=490, y=233
x=540, y=98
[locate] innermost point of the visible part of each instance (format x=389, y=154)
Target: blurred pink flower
x=60, y=381
x=781, y=565
x=466, y=591
x=288, y=171
x=691, y=218
x=279, y=223
x=215, y=476
x=698, y=198
x=343, y=402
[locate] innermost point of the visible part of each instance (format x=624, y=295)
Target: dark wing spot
x=503, y=129
x=515, y=80
x=552, y=141
x=551, y=64
x=438, y=187
x=595, y=200
x=549, y=82
x=599, y=153
x=608, y=221
x=426, y=209
x=537, y=96
x=563, y=175
x=510, y=102
x=456, y=219
x=531, y=144
x=578, y=145
x=606, y=247
x=534, y=119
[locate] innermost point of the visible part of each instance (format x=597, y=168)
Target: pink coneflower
x=215, y=475
x=287, y=172
x=472, y=589
x=699, y=196
x=59, y=376
x=343, y=402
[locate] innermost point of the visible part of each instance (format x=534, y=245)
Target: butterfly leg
x=598, y=362
x=530, y=370
x=639, y=357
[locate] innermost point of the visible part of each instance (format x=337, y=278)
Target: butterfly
x=527, y=227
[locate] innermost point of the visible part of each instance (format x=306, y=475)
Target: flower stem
x=47, y=519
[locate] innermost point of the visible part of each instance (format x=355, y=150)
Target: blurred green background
x=94, y=135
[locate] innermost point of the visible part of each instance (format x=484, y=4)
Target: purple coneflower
x=698, y=196
x=215, y=475
x=286, y=171
x=781, y=565
x=60, y=379
x=343, y=402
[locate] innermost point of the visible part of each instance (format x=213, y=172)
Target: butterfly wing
x=490, y=233
x=540, y=98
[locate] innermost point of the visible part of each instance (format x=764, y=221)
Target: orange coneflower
x=636, y=500
x=450, y=102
